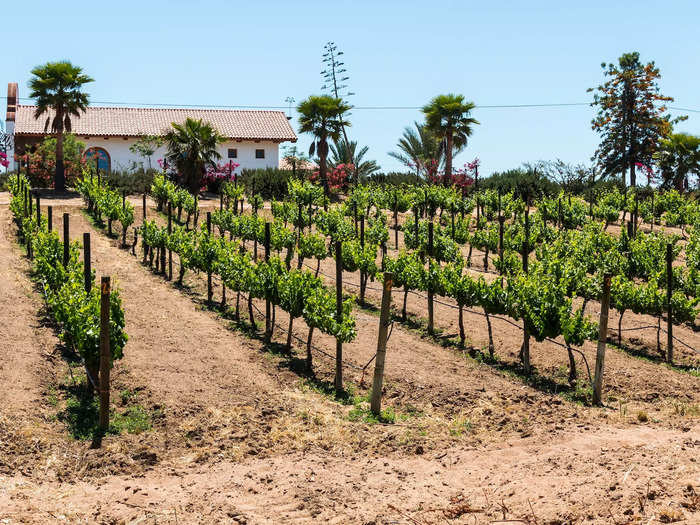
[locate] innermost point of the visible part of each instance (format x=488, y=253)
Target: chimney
x=11, y=101
x=10, y=123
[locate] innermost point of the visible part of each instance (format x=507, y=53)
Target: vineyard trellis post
x=66, y=239
x=602, y=340
x=105, y=354
x=415, y=215
x=49, y=217
x=430, y=288
x=87, y=262
x=384, y=322
x=143, y=211
x=525, y=350
x=210, y=293
x=338, y=315
x=268, y=317
x=38, y=211
x=363, y=277
x=669, y=294
x=170, y=232
x=653, y=217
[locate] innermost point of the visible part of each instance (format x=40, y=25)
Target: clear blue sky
x=397, y=54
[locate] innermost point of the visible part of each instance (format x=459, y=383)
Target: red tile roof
x=134, y=122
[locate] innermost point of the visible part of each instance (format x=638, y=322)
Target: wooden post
x=636, y=211
x=415, y=214
x=144, y=208
x=221, y=200
x=49, y=217
x=210, y=292
x=38, y=211
x=363, y=277
x=525, y=351
x=268, y=316
x=338, y=314
x=66, y=239
x=430, y=288
x=87, y=262
x=653, y=218
x=105, y=354
x=501, y=220
x=602, y=340
x=669, y=294
x=170, y=231
x=30, y=200
x=384, y=322
x=396, y=227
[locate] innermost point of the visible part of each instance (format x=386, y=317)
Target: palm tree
x=55, y=86
x=448, y=116
x=192, y=149
x=341, y=150
x=420, y=149
x=678, y=157
x=322, y=116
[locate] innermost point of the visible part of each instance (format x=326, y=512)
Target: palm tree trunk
x=322, y=168
x=448, y=156
x=60, y=178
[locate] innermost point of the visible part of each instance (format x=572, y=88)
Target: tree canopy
x=631, y=117
x=56, y=88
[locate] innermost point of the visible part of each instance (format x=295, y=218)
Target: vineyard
x=245, y=332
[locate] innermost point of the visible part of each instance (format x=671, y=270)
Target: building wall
x=123, y=159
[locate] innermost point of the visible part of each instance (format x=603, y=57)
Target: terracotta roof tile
x=134, y=122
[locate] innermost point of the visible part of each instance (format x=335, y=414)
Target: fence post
x=105, y=354
x=268, y=315
x=66, y=239
x=430, y=288
x=170, y=231
x=143, y=211
x=49, y=217
x=669, y=294
x=602, y=340
x=377, y=381
x=38, y=211
x=87, y=262
x=338, y=314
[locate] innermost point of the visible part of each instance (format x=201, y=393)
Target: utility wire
x=254, y=106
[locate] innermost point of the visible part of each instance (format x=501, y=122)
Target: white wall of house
x=10, y=129
x=123, y=159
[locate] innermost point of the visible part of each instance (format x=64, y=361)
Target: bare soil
x=241, y=435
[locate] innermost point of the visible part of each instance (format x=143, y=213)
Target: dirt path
x=615, y=476
x=23, y=340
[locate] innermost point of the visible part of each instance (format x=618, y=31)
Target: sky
x=397, y=53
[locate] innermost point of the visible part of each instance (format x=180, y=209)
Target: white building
x=252, y=136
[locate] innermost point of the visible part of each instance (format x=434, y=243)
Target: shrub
x=271, y=183
x=135, y=181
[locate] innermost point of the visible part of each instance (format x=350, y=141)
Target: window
x=259, y=153
x=100, y=156
x=232, y=153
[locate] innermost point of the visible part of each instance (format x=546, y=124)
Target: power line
x=254, y=106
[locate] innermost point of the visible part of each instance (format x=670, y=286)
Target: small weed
x=52, y=397
x=362, y=413
x=461, y=425
x=642, y=416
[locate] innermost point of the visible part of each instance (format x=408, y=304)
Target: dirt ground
x=242, y=435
